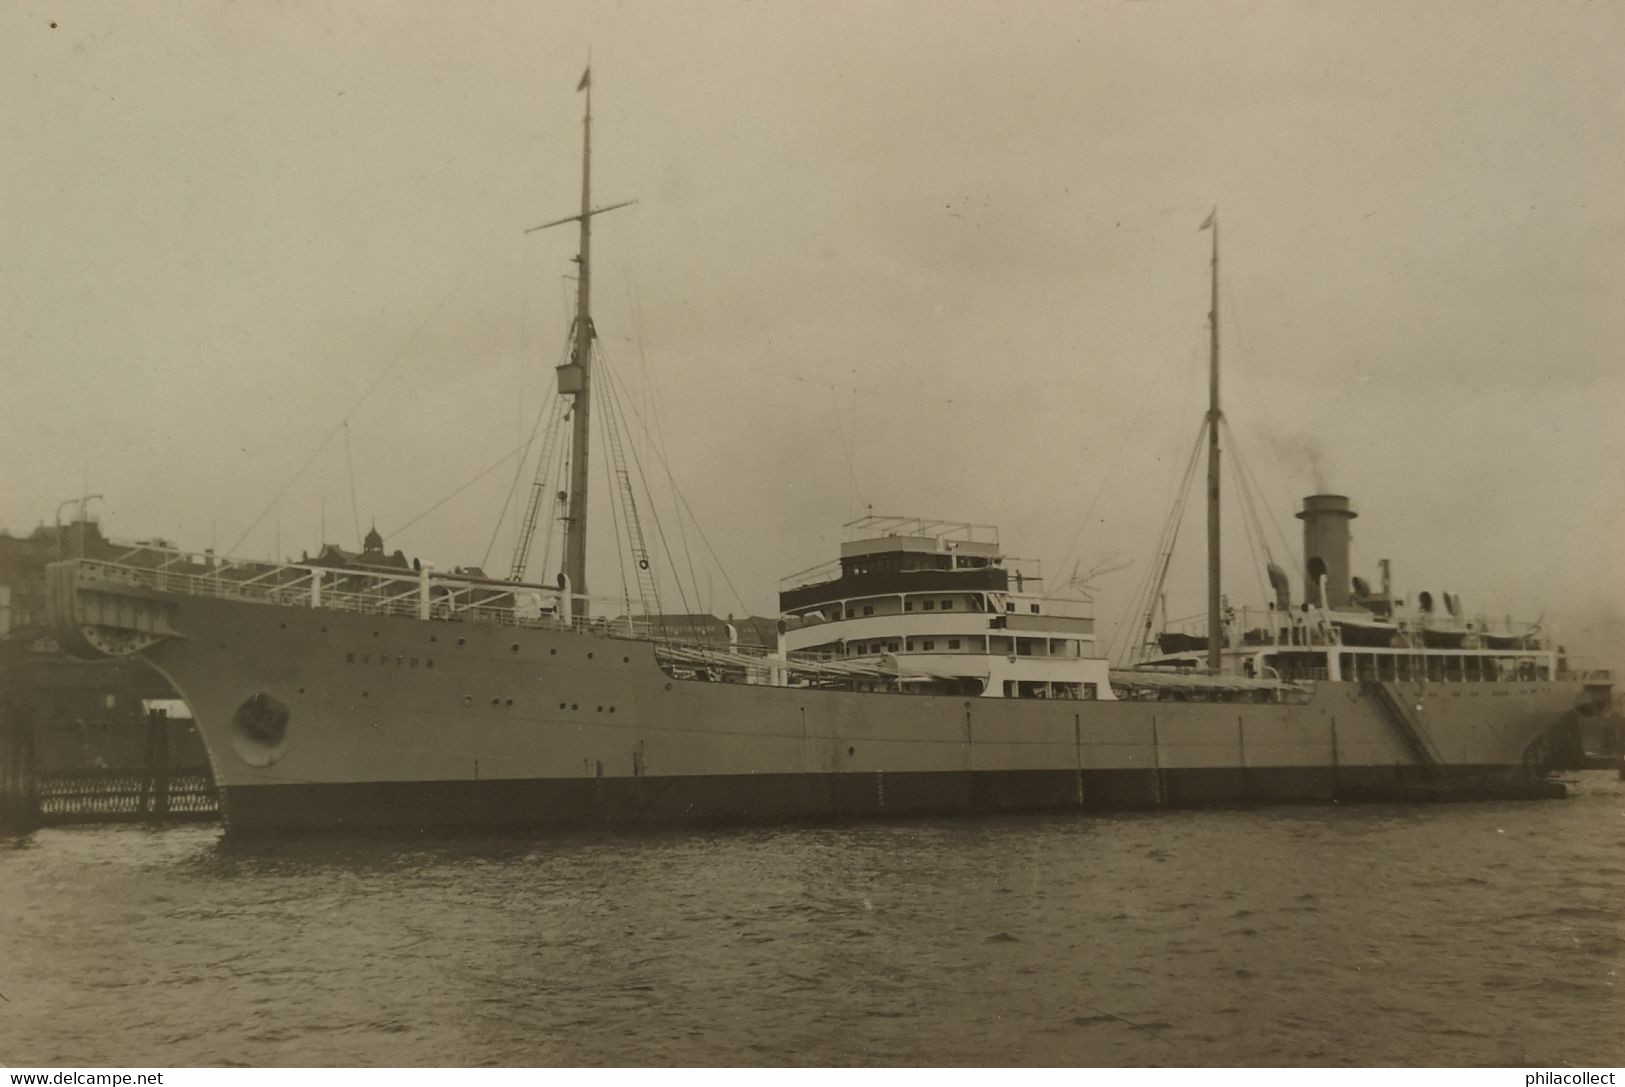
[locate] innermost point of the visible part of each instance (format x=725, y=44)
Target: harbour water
x=1490, y=933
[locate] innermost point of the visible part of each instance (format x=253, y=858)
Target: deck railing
x=421, y=594
x=1252, y=628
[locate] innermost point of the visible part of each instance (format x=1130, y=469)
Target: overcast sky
x=930, y=258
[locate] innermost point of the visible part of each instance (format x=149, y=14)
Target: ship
x=922, y=671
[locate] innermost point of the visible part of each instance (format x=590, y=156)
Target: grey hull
x=399, y=721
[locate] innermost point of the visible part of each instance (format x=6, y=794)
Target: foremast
x=575, y=376
x=575, y=525
x=1215, y=620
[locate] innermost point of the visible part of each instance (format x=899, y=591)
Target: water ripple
x=1463, y=934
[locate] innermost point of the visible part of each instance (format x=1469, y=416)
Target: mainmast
x=1215, y=621
x=575, y=376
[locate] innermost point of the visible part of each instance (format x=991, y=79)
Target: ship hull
x=742, y=799
x=394, y=721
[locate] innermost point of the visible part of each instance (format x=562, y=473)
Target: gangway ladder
x=1400, y=713
x=648, y=594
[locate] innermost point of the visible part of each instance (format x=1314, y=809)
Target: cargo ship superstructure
x=937, y=605
x=923, y=671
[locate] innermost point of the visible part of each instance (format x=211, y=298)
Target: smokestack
x=1326, y=520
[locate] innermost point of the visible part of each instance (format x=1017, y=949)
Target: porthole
x=514, y=648
x=612, y=709
x=600, y=709
x=301, y=690
x=626, y=660
x=851, y=751
x=507, y=702
x=432, y=638
x=375, y=634
x=589, y=656
x=552, y=652
x=575, y=706
x=562, y=706
x=363, y=694
x=496, y=702
x=461, y=642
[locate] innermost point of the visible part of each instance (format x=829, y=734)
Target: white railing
x=876, y=526
x=812, y=575
x=421, y=594
x=1323, y=627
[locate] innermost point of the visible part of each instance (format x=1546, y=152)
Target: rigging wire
x=526, y=526
x=629, y=524
x=612, y=493
x=659, y=450
x=846, y=448
x=553, y=399
x=683, y=501
x=1145, y=598
x=1176, y=523
x=1233, y=309
x=652, y=401
x=634, y=306
x=1054, y=404
x=1106, y=475
x=355, y=505
x=552, y=468
x=519, y=449
x=399, y=357
x=1151, y=585
x=1273, y=519
x=518, y=470
x=1257, y=547
x=1252, y=522
x=622, y=534
x=1171, y=540
x=555, y=520
x=1250, y=515
x=617, y=401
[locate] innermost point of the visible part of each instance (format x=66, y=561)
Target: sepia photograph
x=899, y=534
